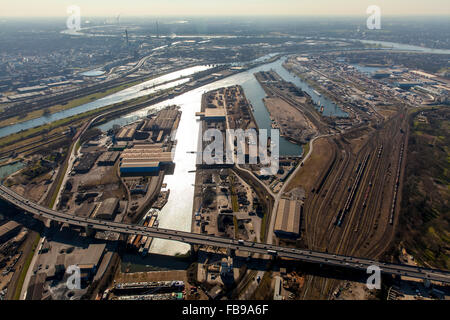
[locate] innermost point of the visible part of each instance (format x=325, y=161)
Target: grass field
x=25, y=269
x=262, y=235
x=425, y=211
x=307, y=176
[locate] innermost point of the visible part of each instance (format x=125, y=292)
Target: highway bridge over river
x=206, y=240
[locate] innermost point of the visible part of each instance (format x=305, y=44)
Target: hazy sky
x=46, y=8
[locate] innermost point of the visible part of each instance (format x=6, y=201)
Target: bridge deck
x=199, y=239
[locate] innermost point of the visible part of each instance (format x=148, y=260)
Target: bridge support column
x=89, y=231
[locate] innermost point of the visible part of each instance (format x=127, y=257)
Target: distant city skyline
x=58, y=8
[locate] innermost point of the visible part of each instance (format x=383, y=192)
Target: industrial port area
x=224, y=160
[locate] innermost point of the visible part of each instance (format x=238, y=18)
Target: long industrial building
x=9, y=230
x=108, y=158
x=144, y=159
x=287, y=223
x=107, y=210
x=164, y=120
x=126, y=134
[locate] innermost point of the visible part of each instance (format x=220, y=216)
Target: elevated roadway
x=206, y=240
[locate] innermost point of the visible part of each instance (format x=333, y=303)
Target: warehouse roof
x=147, y=146
x=33, y=88
x=126, y=133
x=107, y=208
x=288, y=217
x=85, y=210
x=137, y=164
x=90, y=255
x=152, y=157
x=146, y=150
x=109, y=156
x=215, y=112
x=8, y=227
x=163, y=120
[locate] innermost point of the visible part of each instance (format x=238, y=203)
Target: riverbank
x=72, y=99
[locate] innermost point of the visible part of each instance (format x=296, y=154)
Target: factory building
x=138, y=168
x=108, y=158
x=287, y=223
x=144, y=159
x=31, y=89
x=163, y=121
x=107, y=210
x=381, y=74
x=24, y=96
x=162, y=157
x=9, y=230
x=86, y=162
x=119, y=146
x=142, y=147
x=126, y=134
x=86, y=210
x=407, y=84
x=212, y=114
x=87, y=260
x=137, y=188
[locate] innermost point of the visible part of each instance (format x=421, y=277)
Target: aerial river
x=405, y=47
x=177, y=213
x=167, y=81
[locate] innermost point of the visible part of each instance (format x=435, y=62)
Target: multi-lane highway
x=199, y=239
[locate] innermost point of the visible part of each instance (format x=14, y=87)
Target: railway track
x=382, y=245
x=366, y=230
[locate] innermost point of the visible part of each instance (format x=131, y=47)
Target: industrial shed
x=144, y=159
x=287, y=223
x=108, y=158
x=86, y=162
x=107, y=210
x=9, y=230
x=213, y=114
x=162, y=157
x=142, y=167
x=126, y=134
x=164, y=120
x=86, y=210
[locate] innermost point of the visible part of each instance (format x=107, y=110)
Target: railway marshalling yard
x=352, y=182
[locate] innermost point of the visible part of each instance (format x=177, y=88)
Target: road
x=71, y=161
x=200, y=239
x=283, y=188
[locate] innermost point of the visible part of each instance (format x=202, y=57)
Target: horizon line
x=232, y=16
